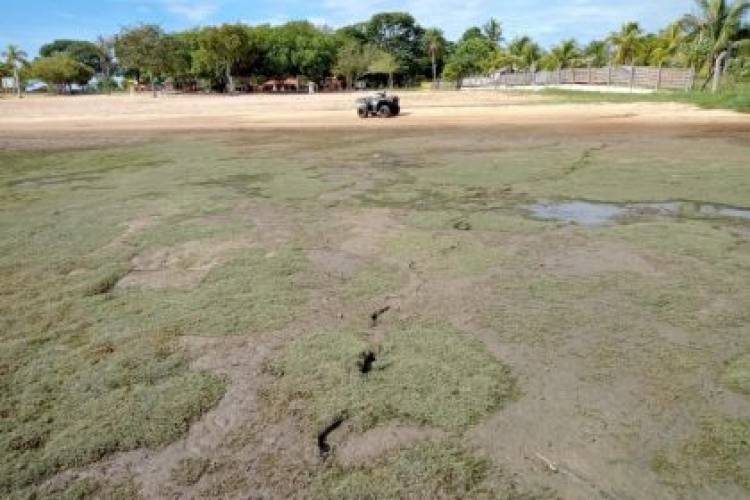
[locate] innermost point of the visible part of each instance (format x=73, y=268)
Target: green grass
x=737, y=375
x=373, y=281
x=189, y=471
x=460, y=253
x=82, y=489
x=427, y=374
x=719, y=453
x=88, y=368
x=735, y=97
x=432, y=470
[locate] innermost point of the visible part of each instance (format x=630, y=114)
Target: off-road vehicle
x=378, y=104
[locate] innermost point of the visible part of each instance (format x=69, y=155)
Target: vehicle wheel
x=396, y=110
x=384, y=111
x=362, y=112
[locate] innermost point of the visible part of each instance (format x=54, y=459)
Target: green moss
x=426, y=374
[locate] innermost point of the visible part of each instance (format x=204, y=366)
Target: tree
x=223, y=47
x=719, y=26
x=146, y=50
x=105, y=48
x=564, y=55
x=61, y=69
x=668, y=44
x=434, y=44
x=399, y=34
x=300, y=48
x=493, y=29
x=596, y=53
x=15, y=59
x=383, y=62
x=352, y=61
x=470, y=57
x=473, y=32
x=627, y=42
x=525, y=53
x=82, y=51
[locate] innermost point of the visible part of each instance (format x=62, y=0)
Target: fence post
x=590, y=79
x=559, y=75
x=632, y=77
x=658, y=78
x=691, y=80
x=609, y=75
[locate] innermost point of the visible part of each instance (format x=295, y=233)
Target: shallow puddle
x=589, y=213
x=580, y=212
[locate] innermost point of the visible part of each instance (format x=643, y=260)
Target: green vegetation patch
x=489, y=220
x=460, y=253
x=737, y=374
x=83, y=489
x=720, y=453
x=735, y=97
x=373, y=281
x=427, y=374
x=430, y=470
x=75, y=404
x=189, y=470
x=249, y=294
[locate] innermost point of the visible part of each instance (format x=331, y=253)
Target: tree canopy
x=83, y=51
x=714, y=38
x=61, y=69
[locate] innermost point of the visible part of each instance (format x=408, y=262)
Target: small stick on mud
x=376, y=315
x=323, y=447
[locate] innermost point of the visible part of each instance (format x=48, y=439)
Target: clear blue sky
x=31, y=23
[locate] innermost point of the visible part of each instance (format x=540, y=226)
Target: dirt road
x=37, y=115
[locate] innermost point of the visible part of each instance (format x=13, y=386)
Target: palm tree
x=15, y=58
x=597, y=53
x=627, y=42
x=525, y=52
x=564, y=55
x=668, y=44
x=434, y=43
x=493, y=29
x=719, y=25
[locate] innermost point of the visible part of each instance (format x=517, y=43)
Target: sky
x=31, y=23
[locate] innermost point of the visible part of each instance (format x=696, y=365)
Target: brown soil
x=183, y=266
x=42, y=121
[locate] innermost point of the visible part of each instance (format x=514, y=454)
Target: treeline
x=390, y=48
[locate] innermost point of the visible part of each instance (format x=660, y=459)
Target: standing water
x=587, y=213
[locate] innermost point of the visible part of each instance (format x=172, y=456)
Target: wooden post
x=658, y=78
x=691, y=79
x=609, y=75
x=590, y=79
x=559, y=75
x=632, y=77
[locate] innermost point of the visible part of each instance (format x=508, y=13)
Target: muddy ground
x=272, y=299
